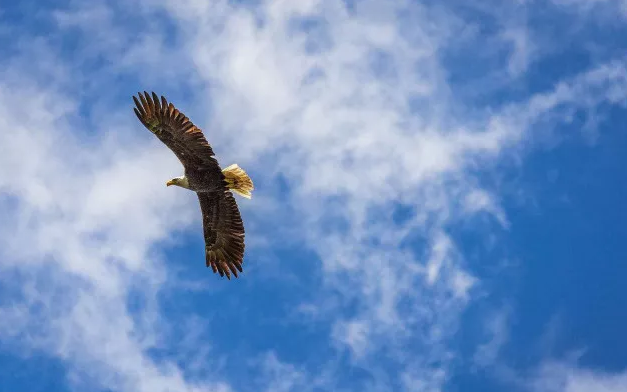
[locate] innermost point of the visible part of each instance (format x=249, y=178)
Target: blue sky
x=438, y=204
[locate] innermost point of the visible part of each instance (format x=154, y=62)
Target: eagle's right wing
x=224, y=232
x=175, y=130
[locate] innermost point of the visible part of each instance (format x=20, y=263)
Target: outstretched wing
x=175, y=130
x=224, y=232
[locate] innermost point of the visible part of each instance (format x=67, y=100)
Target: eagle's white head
x=179, y=181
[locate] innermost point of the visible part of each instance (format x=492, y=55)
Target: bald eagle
x=222, y=223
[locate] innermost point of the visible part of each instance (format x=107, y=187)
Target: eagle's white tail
x=238, y=181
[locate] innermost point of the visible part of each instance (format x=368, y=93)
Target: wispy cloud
x=606, y=7
x=497, y=326
x=556, y=376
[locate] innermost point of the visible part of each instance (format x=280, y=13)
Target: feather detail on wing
x=175, y=130
x=224, y=232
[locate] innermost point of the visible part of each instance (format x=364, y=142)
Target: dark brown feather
x=224, y=232
x=173, y=128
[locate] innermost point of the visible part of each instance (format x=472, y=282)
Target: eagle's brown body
x=222, y=223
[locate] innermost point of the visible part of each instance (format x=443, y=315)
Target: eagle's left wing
x=224, y=232
x=176, y=131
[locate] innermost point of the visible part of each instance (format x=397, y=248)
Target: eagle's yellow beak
x=171, y=182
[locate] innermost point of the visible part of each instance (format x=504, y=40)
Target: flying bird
x=222, y=223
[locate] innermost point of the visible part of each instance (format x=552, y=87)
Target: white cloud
x=556, y=376
x=282, y=377
x=522, y=50
x=609, y=7
x=354, y=334
x=479, y=200
x=497, y=326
